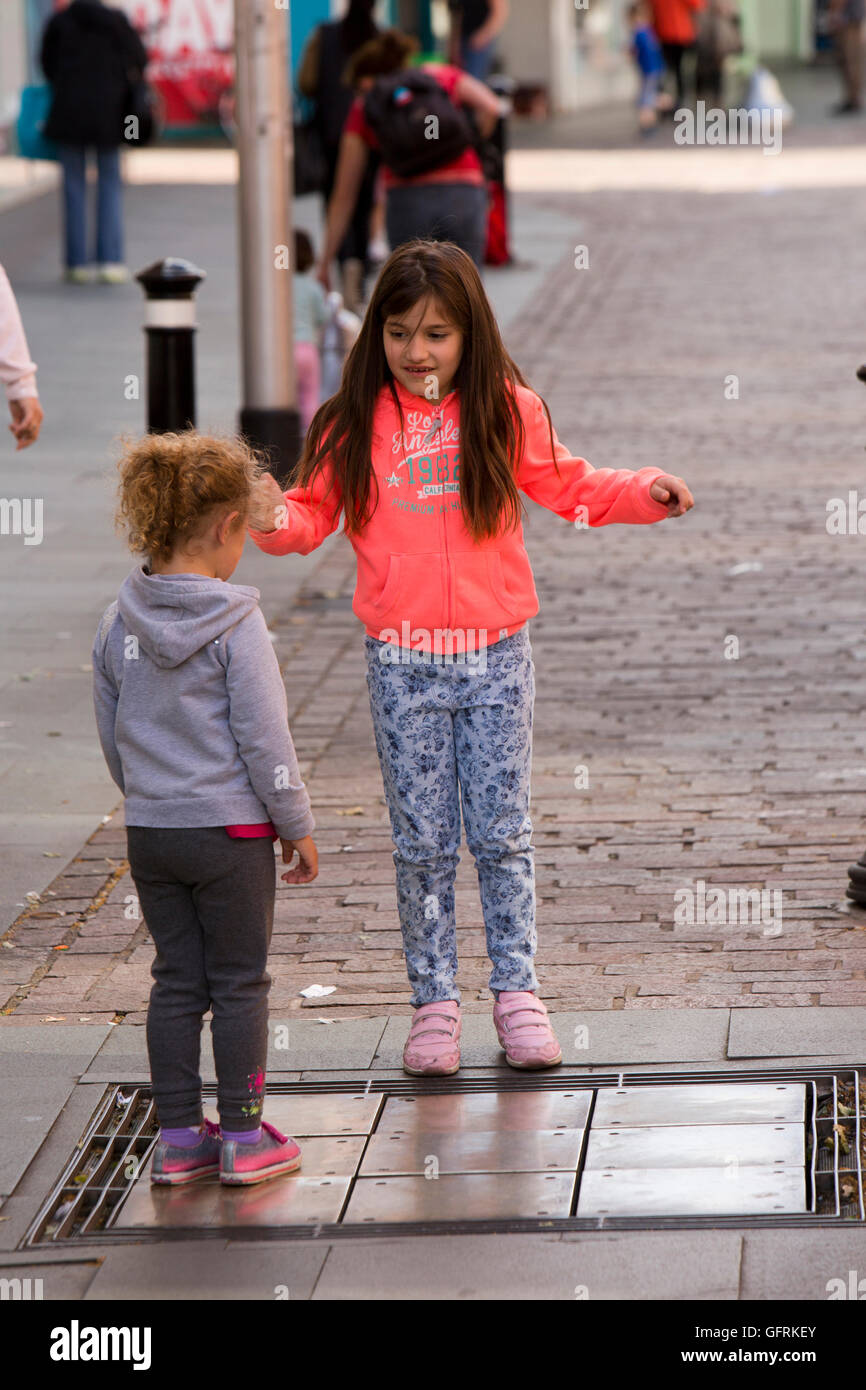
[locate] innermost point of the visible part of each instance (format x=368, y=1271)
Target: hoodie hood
x=175, y=615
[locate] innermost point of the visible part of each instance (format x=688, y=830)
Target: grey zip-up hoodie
x=191, y=707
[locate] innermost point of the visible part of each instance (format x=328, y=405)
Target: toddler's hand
x=674, y=492
x=267, y=497
x=308, y=856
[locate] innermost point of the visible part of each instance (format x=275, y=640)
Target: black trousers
x=674, y=54
x=208, y=901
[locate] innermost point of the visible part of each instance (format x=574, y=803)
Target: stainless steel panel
x=294, y=1115
x=749, y=1103
x=699, y=1146
x=291, y=1200
x=471, y=1197
x=486, y=1111
x=504, y=1151
x=732, y=1191
x=330, y=1155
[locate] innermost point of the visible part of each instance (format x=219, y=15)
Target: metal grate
x=86, y=1202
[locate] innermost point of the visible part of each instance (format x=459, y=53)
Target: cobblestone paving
x=664, y=757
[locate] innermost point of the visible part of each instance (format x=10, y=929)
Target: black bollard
x=170, y=287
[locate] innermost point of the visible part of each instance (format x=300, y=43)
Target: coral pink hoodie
x=420, y=573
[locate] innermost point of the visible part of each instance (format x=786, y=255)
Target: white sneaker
x=112, y=274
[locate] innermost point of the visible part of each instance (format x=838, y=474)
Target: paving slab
x=293, y=1044
x=47, y=1282
x=202, y=1270
x=49, y=1049
x=807, y=1032
x=46, y=1163
x=35, y=1108
x=802, y=1264
x=628, y=1266
x=593, y=1037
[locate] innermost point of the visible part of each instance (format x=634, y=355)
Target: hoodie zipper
x=436, y=426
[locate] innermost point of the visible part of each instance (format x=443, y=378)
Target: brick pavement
x=745, y=773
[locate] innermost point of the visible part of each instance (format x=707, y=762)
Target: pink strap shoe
x=433, y=1045
x=524, y=1030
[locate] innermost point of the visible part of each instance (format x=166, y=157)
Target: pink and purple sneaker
x=173, y=1165
x=274, y=1154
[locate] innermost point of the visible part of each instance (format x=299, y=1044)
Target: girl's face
x=423, y=349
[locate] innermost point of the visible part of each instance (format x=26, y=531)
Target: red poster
x=191, y=48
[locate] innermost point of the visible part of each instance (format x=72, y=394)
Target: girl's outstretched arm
x=579, y=492
x=297, y=521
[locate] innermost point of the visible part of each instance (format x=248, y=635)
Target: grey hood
x=175, y=615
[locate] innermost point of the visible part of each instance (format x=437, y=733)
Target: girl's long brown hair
x=492, y=435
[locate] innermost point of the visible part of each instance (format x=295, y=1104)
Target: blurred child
x=311, y=315
x=191, y=713
x=647, y=53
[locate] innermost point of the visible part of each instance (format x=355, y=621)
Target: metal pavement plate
x=698, y=1146
x=329, y=1114
x=731, y=1191
x=460, y=1197
x=727, y=1104
x=485, y=1111
x=291, y=1200
x=503, y=1151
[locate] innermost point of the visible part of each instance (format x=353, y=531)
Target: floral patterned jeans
x=449, y=730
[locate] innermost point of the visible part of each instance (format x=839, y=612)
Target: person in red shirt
x=674, y=23
x=447, y=203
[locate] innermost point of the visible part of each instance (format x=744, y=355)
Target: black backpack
x=398, y=109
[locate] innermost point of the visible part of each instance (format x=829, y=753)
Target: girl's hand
x=26, y=420
x=674, y=492
x=266, y=500
x=307, y=867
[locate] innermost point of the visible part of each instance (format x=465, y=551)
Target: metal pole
x=269, y=415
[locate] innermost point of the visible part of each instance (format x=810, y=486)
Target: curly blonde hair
x=172, y=487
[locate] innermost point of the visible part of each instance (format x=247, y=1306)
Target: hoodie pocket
x=482, y=596
x=413, y=593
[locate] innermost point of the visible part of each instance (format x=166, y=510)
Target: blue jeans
x=448, y=731
x=109, y=206
x=441, y=211
x=477, y=61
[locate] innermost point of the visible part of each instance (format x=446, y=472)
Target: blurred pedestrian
x=718, y=37
x=91, y=55
x=191, y=715
x=648, y=56
x=674, y=22
x=311, y=315
x=845, y=21
x=412, y=117
x=17, y=372
x=475, y=25
x=321, y=78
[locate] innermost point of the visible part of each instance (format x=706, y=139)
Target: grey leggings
x=208, y=901
x=441, y=211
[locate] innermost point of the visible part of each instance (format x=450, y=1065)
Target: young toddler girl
x=192, y=718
